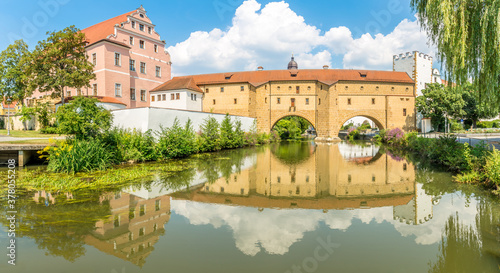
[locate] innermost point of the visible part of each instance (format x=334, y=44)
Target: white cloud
x=369, y=52
x=268, y=35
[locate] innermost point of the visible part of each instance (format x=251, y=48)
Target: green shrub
x=49, y=130
x=77, y=156
x=177, y=142
x=239, y=134
x=210, y=135
x=469, y=177
x=492, y=167
x=131, y=145
x=83, y=118
x=456, y=126
x=227, y=134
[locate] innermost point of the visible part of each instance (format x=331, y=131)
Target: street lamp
x=8, y=117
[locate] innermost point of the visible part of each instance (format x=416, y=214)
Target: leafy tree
x=473, y=108
x=291, y=127
x=59, y=62
x=466, y=33
x=12, y=68
x=239, y=134
x=438, y=101
x=227, y=135
x=42, y=111
x=83, y=118
x=210, y=135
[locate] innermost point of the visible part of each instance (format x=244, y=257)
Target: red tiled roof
x=12, y=105
x=99, y=98
x=257, y=78
x=103, y=29
x=179, y=83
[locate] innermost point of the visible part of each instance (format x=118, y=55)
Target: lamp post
x=8, y=116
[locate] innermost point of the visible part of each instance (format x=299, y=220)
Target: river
x=289, y=207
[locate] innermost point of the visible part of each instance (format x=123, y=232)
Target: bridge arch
x=377, y=119
x=277, y=119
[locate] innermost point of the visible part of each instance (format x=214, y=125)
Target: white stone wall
x=153, y=118
x=185, y=101
x=424, y=71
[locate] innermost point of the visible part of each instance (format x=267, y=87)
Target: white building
x=417, y=65
x=178, y=93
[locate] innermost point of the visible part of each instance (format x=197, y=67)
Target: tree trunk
x=62, y=96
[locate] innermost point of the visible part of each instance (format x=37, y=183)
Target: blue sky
x=232, y=35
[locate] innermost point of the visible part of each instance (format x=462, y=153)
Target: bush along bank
x=85, y=153
x=477, y=164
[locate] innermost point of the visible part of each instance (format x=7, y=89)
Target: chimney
x=260, y=68
x=325, y=66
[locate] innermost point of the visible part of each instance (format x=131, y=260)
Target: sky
x=237, y=35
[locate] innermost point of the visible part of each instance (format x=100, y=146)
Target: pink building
x=129, y=59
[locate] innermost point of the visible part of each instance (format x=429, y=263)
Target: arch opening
x=360, y=127
x=294, y=128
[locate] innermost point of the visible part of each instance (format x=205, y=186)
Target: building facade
x=327, y=98
x=129, y=59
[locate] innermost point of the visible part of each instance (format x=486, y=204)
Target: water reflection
x=268, y=199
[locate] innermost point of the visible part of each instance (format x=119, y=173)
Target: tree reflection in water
x=464, y=248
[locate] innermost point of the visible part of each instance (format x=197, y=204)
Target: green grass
x=118, y=176
x=26, y=133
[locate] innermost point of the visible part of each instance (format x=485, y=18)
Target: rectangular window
x=159, y=97
x=156, y=48
x=177, y=96
x=157, y=205
x=132, y=65
x=348, y=101
x=153, y=98
x=68, y=93
x=235, y=101
x=158, y=71
x=150, y=29
x=319, y=101
x=297, y=89
x=143, y=68
x=404, y=112
x=214, y=102
x=307, y=101
x=278, y=101
x=242, y=88
x=206, y=90
x=163, y=97
x=172, y=96
x=118, y=90
x=118, y=60
x=131, y=40
x=143, y=95
x=141, y=27
x=94, y=89
x=373, y=101
x=132, y=93
x=141, y=44
x=222, y=89
x=133, y=24
x=94, y=58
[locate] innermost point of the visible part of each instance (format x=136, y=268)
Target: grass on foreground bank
x=27, y=133
x=45, y=141
x=118, y=176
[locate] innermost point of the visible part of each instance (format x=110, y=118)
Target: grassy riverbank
x=476, y=164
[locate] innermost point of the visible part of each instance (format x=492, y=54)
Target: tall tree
x=58, y=62
x=437, y=101
x=467, y=35
x=12, y=68
x=473, y=108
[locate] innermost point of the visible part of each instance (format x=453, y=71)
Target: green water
x=290, y=207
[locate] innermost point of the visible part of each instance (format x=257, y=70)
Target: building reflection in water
x=325, y=177
x=135, y=225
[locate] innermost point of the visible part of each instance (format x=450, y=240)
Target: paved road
x=493, y=140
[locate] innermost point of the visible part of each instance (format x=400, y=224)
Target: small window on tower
x=373, y=101
x=214, y=102
x=235, y=101
x=349, y=101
